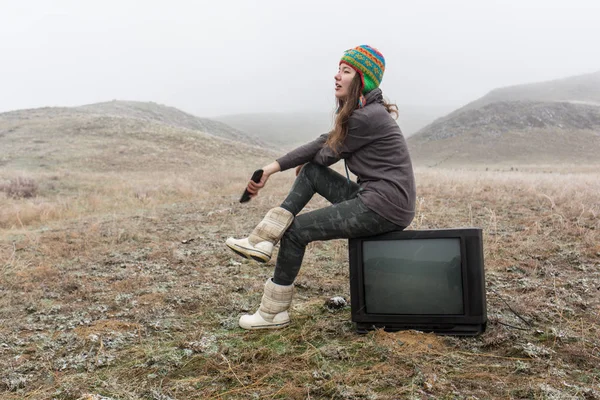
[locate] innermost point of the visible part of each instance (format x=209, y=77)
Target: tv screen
x=417, y=277
x=430, y=280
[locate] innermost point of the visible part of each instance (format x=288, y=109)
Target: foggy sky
x=223, y=57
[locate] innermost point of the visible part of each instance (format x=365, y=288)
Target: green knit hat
x=368, y=62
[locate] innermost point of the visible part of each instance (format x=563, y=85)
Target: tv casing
x=474, y=320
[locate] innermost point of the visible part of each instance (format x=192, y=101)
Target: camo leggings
x=346, y=218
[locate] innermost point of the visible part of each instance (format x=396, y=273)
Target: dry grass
x=118, y=285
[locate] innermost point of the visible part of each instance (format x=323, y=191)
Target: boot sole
x=250, y=254
x=272, y=326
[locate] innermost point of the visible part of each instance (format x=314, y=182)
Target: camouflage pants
x=346, y=218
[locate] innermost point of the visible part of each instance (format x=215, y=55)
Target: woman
x=368, y=139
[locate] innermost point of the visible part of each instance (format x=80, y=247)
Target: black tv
x=427, y=280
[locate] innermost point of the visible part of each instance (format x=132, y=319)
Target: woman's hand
x=268, y=170
x=298, y=168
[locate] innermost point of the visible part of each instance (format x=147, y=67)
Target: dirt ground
x=120, y=287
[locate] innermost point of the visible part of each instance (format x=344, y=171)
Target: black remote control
x=256, y=178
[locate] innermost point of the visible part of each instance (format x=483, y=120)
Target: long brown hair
x=345, y=108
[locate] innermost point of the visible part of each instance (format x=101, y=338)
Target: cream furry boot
x=259, y=245
x=273, y=310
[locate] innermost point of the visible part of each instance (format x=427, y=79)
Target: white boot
x=273, y=310
x=259, y=245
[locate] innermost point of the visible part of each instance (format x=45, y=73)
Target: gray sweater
x=375, y=151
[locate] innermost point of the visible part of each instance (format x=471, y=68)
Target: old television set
x=427, y=280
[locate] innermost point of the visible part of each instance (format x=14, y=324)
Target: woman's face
x=343, y=79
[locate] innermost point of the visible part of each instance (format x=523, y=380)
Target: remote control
x=256, y=178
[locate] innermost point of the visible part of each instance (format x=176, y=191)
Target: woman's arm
x=297, y=157
x=302, y=154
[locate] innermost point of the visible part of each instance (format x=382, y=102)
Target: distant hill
x=143, y=111
x=290, y=129
x=281, y=129
x=555, y=121
x=412, y=118
x=117, y=136
x=495, y=119
x=150, y=111
x=581, y=89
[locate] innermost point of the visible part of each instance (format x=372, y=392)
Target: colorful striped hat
x=368, y=62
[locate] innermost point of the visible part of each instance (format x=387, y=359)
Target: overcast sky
x=221, y=57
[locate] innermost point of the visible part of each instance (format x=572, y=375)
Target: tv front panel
x=430, y=280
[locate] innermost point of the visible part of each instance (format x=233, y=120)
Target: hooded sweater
x=376, y=152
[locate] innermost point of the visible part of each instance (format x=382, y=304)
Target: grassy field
x=117, y=285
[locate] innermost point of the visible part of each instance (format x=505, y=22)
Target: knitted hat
x=368, y=62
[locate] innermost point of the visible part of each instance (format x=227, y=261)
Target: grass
x=119, y=285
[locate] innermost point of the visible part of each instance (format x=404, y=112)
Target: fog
x=225, y=57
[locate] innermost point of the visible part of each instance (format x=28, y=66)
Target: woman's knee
x=294, y=236
x=311, y=170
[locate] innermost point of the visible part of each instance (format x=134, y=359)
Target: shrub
x=19, y=188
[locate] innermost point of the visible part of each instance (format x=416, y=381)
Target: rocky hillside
x=557, y=121
x=579, y=89
x=494, y=119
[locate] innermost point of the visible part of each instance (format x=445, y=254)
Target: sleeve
x=302, y=154
x=357, y=137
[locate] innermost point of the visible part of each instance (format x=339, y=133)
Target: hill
x=117, y=136
x=580, y=89
x=556, y=121
x=290, y=129
x=150, y=111
x=281, y=129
